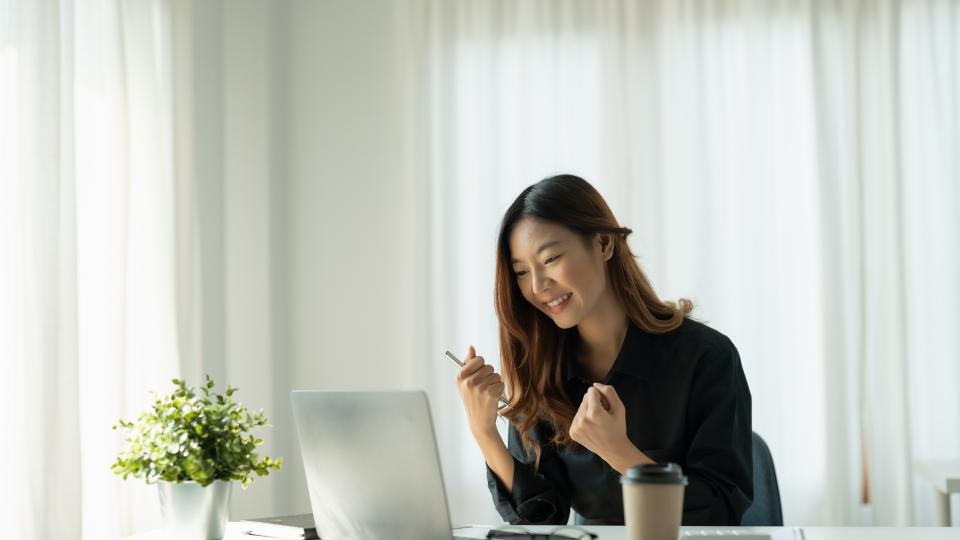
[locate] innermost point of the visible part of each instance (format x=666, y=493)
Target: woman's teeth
x=559, y=301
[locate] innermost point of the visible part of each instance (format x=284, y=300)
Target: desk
x=619, y=533
x=944, y=476
x=804, y=533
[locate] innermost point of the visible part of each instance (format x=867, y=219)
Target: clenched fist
x=600, y=424
x=480, y=387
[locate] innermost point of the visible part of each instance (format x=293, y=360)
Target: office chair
x=765, y=510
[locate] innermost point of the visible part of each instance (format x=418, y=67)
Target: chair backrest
x=765, y=510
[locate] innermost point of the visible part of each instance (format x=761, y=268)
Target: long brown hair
x=531, y=344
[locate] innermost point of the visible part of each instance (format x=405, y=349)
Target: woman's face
x=556, y=270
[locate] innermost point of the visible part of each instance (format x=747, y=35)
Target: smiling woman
x=603, y=375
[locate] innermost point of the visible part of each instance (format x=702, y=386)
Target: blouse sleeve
x=538, y=497
x=719, y=456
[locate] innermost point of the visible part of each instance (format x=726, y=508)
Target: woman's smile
x=559, y=304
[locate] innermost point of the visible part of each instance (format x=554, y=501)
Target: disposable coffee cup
x=653, y=501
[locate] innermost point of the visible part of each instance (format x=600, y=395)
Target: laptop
x=372, y=465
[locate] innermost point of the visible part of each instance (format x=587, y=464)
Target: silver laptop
x=372, y=466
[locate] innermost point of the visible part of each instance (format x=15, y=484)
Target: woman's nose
x=541, y=283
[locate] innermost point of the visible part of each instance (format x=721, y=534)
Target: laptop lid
x=372, y=465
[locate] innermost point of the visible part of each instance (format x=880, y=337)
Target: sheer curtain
x=791, y=166
x=87, y=288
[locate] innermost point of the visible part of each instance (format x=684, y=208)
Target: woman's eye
x=551, y=259
x=520, y=273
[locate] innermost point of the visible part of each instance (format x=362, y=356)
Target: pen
x=455, y=360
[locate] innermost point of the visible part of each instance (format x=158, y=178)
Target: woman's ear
x=606, y=246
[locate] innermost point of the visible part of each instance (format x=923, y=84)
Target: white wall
x=351, y=216
x=306, y=225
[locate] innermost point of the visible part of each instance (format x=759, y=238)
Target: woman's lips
x=561, y=306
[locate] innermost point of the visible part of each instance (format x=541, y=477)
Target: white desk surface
x=619, y=533
x=780, y=533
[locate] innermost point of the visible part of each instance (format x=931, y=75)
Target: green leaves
x=188, y=435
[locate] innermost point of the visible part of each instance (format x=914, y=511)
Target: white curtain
x=138, y=143
x=792, y=166
x=87, y=266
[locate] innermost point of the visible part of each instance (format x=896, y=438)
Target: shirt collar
x=637, y=357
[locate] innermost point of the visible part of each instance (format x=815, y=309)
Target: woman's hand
x=479, y=388
x=600, y=425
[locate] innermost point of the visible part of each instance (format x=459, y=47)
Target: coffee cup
x=653, y=501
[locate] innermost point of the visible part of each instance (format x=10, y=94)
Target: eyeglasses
x=516, y=532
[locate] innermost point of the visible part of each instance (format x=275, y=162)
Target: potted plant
x=193, y=445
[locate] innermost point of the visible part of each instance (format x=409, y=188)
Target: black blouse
x=686, y=401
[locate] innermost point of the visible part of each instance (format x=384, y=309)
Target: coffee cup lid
x=654, y=473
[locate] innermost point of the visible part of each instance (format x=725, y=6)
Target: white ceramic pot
x=193, y=512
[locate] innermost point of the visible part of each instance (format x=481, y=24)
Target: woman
x=602, y=374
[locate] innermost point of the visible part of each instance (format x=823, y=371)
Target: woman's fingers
x=595, y=401
x=488, y=379
x=589, y=401
x=495, y=389
x=609, y=395
x=471, y=366
x=475, y=373
x=473, y=381
x=478, y=377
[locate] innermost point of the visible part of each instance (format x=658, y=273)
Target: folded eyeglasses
x=517, y=532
